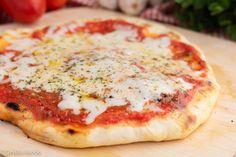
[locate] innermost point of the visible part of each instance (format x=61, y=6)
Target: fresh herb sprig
x=208, y=15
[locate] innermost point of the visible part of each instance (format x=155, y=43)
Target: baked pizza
x=102, y=82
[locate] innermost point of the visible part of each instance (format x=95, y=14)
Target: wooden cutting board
x=216, y=138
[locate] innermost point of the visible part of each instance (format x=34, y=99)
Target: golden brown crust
x=176, y=125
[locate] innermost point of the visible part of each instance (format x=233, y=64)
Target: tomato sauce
x=108, y=26
x=38, y=34
x=102, y=27
x=189, y=54
x=43, y=105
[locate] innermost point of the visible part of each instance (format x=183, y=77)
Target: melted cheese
x=5, y=64
x=94, y=107
x=118, y=71
x=70, y=102
x=21, y=44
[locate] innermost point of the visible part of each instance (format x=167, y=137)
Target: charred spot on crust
x=13, y=106
x=209, y=83
x=190, y=119
x=71, y=131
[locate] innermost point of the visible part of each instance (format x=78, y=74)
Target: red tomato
x=26, y=11
x=55, y=4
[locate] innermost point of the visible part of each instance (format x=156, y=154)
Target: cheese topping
x=95, y=71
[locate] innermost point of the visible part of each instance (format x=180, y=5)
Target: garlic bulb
x=132, y=7
x=108, y=4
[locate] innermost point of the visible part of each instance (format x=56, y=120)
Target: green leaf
x=225, y=3
x=179, y=1
x=215, y=8
x=225, y=19
x=208, y=15
x=231, y=31
x=199, y=4
x=185, y=3
x=219, y=6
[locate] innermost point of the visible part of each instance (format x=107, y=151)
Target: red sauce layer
x=43, y=105
x=188, y=53
x=102, y=27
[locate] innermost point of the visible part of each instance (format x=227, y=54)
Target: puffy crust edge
x=176, y=125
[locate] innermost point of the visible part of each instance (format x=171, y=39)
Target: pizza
x=107, y=81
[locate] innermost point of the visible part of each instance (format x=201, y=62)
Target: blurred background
x=214, y=17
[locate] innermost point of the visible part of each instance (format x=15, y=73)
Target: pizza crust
x=176, y=125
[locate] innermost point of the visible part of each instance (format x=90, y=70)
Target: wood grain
x=216, y=138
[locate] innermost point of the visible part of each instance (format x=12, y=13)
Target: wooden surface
x=216, y=138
